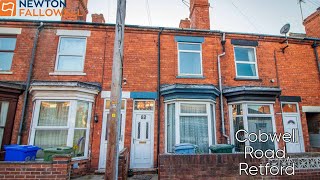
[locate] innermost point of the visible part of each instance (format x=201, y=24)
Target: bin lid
x=24, y=148
x=221, y=146
x=58, y=149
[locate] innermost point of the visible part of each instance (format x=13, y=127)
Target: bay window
x=252, y=118
x=61, y=123
x=190, y=122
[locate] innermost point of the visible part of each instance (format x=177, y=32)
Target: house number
x=143, y=117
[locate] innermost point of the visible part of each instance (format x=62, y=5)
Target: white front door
x=104, y=137
x=142, y=140
x=291, y=123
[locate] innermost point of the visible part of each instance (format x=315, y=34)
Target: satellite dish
x=285, y=29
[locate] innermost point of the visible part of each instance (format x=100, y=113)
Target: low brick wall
x=226, y=166
x=58, y=169
x=123, y=165
x=79, y=168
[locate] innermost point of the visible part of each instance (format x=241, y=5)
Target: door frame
x=297, y=114
x=102, y=154
x=149, y=112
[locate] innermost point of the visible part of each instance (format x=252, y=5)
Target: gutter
x=314, y=46
x=25, y=102
x=159, y=103
x=223, y=130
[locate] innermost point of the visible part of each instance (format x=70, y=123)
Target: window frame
x=72, y=112
x=245, y=116
x=83, y=55
x=242, y=62
x=9, y=51
x=210, y=115
x=190, y=51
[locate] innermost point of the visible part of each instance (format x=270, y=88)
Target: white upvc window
x=189, y=59
x=246, y=62
x=190, y=122
x=71, y=54
x=7, y=47
x=251, y=117
x=59, y=123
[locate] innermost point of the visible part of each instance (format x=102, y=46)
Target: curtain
x=4, y=106
x=193, y=108
x=265, y=125
x=171, y=137
x=194, y=130
x=82, y=114
x=54, y=114
x=50, y=138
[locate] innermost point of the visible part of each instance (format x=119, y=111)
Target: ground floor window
x=190, y=122
x=61, y=123
x=313, y=120
x=4, y=108
x=252, y=118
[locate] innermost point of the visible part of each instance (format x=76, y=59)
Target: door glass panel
x=147, y=130
x=144, y=105
x=4, y=106
x=289, y=108
x=139, y=124
x=123, y=104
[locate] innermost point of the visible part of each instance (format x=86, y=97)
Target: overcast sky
x=256, y=16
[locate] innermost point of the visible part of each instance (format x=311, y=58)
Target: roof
x=155, y=28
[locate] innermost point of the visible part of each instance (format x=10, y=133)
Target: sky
x=251, y=16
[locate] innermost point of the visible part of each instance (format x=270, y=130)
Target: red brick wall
x=312, y=24
x=217, y=166
x=57, y=169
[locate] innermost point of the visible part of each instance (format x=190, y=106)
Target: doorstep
x=135, y=171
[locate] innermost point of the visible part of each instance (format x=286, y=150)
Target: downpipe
x=26, y=94
x=223, y=42
x=314, y=46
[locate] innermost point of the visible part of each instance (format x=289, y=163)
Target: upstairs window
x=246, y=63
x=190, y=59
x=7, y=46
x=71, y=54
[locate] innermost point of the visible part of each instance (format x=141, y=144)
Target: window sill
x=6, y=72
x=67, y=74
x=190, y=77
x=247, y=79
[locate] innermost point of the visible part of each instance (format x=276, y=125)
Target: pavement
x=135, y=177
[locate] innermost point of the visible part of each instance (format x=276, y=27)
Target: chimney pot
x=184, y=23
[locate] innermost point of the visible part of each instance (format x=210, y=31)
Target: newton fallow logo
x=34, y=8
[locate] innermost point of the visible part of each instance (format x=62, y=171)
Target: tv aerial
x=284, y=30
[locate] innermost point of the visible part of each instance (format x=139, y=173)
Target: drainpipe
x=223, y=42
x=314, y=46
x=159, y=103
x=25, y=103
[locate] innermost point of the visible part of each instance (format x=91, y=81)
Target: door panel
x=141, y=141
x=290, y=122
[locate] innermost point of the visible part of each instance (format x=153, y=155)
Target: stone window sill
x=248, y=79
x=67, y=74
x=190, y=77
x=6, y=72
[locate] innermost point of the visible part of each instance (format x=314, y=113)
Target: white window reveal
x=190, y=59
x=190, y=122
x=252, y=118
x=246, y=62
x=62, y=123
x=7, y=47
x=71, y=54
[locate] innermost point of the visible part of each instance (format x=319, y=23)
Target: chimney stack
x=312, y=24
x=199, y=14
x=185, y=23
x=75, y=10
x=98, y=18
